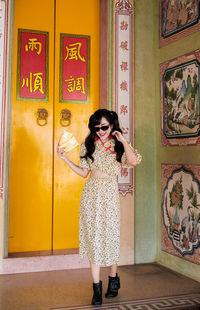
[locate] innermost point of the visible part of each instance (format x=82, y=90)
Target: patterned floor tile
x=182, y=302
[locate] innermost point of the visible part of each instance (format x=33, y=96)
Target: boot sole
x=97, y=304
x=111, y=296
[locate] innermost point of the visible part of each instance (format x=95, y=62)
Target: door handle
x=42, y=115
x=65, y=119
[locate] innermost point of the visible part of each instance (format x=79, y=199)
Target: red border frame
x=45, y=65
x=75, y=98
x=125, y=9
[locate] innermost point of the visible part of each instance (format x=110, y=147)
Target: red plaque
x=74, y=68
x=32, y=78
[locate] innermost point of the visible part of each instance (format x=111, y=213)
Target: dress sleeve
x=83, y=161
x=124, y=158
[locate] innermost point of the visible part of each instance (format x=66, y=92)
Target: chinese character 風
x=73, y=52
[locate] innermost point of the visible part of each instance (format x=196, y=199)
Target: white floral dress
x=99, y=213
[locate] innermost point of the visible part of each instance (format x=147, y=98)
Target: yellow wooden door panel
x=30, y=210
x=36, y=173
x=73, y=17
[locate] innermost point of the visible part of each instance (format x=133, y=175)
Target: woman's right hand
x=61, y=153
x=83, y=172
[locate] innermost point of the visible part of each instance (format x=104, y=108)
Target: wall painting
x=178, y=19
x=181, y=211
x=180, y=100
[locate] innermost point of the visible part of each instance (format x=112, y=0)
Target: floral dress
x=99, y=213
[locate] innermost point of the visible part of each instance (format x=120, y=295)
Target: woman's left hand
x=119, y=136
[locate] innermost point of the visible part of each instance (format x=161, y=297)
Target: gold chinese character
x=34, y=85
x=80, y=85
x=38, y=82
x=28, y=82
x=75, y=84
x=73, y=52
x=71, y=84
x=34, y=44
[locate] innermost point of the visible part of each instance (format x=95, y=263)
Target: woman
x=102, y=155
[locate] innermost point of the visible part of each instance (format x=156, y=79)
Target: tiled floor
x=57, y=289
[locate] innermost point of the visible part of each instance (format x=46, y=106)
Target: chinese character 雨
x=75, y=84
x=73, y=52
x=33, y=44
x=34, y=82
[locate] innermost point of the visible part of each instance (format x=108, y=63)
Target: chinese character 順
x=33, y=82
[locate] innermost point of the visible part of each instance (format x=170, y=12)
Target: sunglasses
x=104, y=128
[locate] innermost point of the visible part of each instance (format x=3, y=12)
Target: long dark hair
x=94, y=120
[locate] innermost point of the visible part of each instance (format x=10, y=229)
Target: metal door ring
x=65, y=119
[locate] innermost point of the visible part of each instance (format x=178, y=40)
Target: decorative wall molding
x=124, y=80
x=104, y=53
x=124, y=6
x=3, y=65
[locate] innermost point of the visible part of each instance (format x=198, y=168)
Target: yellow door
x=44, y=193
x=80, y=17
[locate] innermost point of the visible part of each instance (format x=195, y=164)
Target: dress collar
x=108, y=145
x=98, y=139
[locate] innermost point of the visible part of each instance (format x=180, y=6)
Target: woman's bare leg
x=95, y=271
x=113, y=270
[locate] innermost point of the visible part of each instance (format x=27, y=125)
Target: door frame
x=105, y=68
x=107, y=97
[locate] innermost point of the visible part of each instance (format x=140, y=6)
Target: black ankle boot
x=97, y=296
x=113, y=286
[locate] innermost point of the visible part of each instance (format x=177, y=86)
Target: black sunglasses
x=104, y=128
